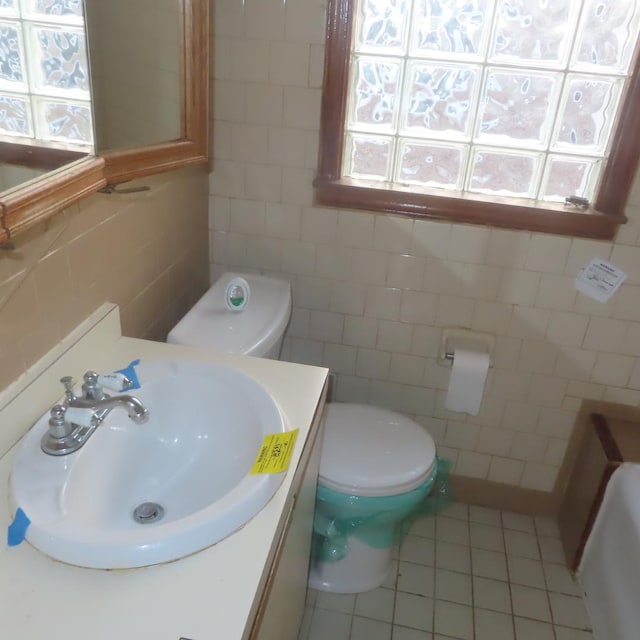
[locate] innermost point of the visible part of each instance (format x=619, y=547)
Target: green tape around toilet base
x=339, y=516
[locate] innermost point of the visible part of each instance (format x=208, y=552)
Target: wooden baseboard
x=504, y=497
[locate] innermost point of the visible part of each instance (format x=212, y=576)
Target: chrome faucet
x=69, y=430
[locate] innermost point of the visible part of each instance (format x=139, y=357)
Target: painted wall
x=146, y=252
x=372, y=293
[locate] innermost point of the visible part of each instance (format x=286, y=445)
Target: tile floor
x=469, y=573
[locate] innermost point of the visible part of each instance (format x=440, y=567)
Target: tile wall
x=372, y=293
x=147, y=252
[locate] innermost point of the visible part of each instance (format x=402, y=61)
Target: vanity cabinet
x=606, y=444
x=282, y=603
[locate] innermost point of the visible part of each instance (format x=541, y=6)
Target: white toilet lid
x=369, y=451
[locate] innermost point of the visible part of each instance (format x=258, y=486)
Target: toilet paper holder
x=466, y=340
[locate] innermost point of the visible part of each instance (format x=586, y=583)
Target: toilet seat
x=370, y=451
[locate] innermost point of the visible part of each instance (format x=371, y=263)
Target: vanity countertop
x=210, y=595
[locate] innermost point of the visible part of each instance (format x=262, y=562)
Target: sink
x=137, y=495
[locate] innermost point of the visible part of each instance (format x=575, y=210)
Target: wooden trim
x=352, y=194
x=332, y=189
x=35, y=157
x=24, y=206
x=505, y=497
x=31, y=203
x=609, y=445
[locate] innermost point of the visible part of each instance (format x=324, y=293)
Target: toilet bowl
x=376, y=465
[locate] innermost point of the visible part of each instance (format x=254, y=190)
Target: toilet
x=377, y=466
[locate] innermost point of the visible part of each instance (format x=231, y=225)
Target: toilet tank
x=255, y=331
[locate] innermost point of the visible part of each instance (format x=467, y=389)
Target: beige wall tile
x=400, y=281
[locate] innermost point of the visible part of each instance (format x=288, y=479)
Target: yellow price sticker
x=275, y=452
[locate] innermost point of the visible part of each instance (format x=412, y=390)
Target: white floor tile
x=564, y=633
x=489, y=564
x=532, y=630
x=424, y=526
x=418, y=550
x=518, y=521
x=456, y=510
x=454, y=557
x=336, y=601
x=484, y=536
x=330, y=624
x=559, y=579
x=414, y=611
x=485, y=516
x=551, y=550
x=519, y=543
x=452, y=530
x=530, y=603
x=455, y=620
x=376, y=604
x=491, y=625
x=415, y=578
x=366, y=629
x=491, y=594
x=469, y=573
x=405, y=633
x=453, y=586
x=569, y=611
x=526, y=572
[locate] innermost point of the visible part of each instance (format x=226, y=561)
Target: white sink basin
x=192, y=458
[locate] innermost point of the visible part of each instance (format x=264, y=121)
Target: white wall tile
x=355, y=229
x=454, y=311
x=383, y=303
x=347, y=297
x=289, y=64
x=405, y=272
x=518, y=286
x=394, y=336
x=605, y=334
x=393, y=234
x=326, y=326
x=373, y=364
x=431, y=239
x=611, y=369
x=468, y=244
x=508, y=248
x=554, y=346
x=444, y=276
x=566, y=328
x=547, y=253
x=418, y=307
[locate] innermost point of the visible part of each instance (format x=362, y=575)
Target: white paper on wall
x=599, y=280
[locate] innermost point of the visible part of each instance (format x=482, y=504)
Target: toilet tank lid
x=370, y=451
x=252, y=331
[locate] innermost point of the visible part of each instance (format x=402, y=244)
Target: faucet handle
x=58, y=425
x=92, y=389
x=68, y=382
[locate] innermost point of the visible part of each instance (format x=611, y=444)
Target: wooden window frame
x=600, y=220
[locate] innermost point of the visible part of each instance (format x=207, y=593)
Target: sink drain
x=148, y=512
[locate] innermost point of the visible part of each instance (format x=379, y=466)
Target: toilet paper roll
x=466, y=384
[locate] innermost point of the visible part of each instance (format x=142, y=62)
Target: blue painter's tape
x=130, y=372
x=18, y=528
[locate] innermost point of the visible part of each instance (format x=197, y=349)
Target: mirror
x=136, y=86
x=150, y=68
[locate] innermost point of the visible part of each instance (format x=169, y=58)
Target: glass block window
x=501, y=98
x=44, y=73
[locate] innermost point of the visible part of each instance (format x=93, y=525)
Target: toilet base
x=363, y=568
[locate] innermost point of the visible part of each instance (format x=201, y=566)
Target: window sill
x=552, y=218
